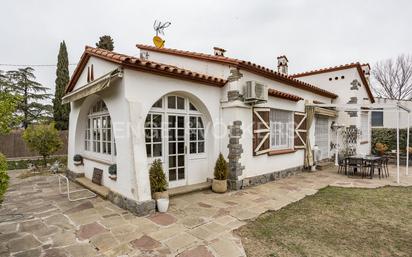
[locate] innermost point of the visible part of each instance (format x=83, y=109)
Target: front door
x=322, y=136
x=176, y=150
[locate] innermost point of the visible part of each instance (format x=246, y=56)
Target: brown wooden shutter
x=300, y=130
x=261, y=130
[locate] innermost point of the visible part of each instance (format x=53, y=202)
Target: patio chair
x=355, y=165
x=377, y=165
x=342, y=164
x=385, y=161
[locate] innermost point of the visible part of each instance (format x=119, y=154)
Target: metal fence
x=12, y=145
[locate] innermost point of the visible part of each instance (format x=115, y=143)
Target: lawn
x=336, y=222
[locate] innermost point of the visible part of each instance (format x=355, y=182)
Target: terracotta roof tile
x=287, y=96
x=356, y=65
x=246, y=65
x=141, y=65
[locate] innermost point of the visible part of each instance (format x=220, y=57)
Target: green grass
x=336, y=222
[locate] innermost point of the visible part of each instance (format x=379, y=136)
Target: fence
x=13, y=146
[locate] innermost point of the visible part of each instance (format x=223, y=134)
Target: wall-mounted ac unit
x=255, y=92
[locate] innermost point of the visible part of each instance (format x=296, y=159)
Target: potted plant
x=219, y=184
x=78, y=159
x=158, y=186
x=113, y=171
x=381, y=148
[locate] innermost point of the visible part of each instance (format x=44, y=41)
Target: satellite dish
x=158, y=42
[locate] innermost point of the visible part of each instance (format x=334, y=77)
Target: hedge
x=24, y=164
x=388, y=137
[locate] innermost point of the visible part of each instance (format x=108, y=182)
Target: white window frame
x=98, y=112
x=164, y=110
x=277, y=127
x=364, y=120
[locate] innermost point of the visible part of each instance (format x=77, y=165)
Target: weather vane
x=159, y=28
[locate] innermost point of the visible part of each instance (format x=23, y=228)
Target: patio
x=198, y=224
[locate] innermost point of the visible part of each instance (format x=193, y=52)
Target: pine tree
x=61, y=112
x=33, y=95
x=106, y=42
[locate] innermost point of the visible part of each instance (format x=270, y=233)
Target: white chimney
x=283, y=64
x=366, y=71
x=219, y=51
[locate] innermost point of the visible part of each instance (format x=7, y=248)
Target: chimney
x=283, y=64
x=219, y=51
x=366, y=71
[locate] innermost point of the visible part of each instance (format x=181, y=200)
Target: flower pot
x=162, y=204
x=159, y=195
x=113, y=177
x=77, y=163
x=219, y=186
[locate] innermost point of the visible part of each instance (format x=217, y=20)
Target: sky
x=311, y=33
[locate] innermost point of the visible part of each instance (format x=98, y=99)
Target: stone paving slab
x=197, y=224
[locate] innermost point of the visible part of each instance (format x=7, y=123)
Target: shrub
x=221, y=168
x=4, y=177
x=388, y=137
x=43, y=139
x=158, y=181
x=77, y=158
x=23, y=164
x=113, y=169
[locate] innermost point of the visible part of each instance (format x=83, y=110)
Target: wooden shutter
x=300, y=130
x=261, y=130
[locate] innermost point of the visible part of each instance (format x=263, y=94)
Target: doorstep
x=189, y=189
x=98, y=189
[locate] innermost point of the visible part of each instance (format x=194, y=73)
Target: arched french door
x=175, y=133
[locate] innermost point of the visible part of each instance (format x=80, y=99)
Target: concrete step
x=189, y=189
x=325, y=165
x=87, y=183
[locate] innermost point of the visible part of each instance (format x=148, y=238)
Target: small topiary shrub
x=4, y=177
x=221, y=168
x=77, y=158
x=158, y=181
x=113, y=169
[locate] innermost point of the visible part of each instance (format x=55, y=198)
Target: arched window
x=99, y=135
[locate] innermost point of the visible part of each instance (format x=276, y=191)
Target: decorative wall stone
x=353, y=100
x=235, y=152
x=355, y=85
x=234, y=95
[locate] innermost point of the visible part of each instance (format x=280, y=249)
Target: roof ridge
x=326, y=69
x=243, y=64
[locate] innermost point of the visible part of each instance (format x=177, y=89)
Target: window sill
x=99, y=160
x=283, y=151
x=364, y=142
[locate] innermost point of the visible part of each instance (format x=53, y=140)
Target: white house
x=386, y=118
x=185, y=108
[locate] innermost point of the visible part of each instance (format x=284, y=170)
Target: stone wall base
x=135, y=207
x=71, y=175
x=265, y=178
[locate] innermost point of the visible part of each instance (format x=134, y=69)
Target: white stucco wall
x=341, y=87
x=389, y=115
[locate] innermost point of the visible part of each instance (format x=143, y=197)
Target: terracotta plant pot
x=161, y=195
x=219, y=186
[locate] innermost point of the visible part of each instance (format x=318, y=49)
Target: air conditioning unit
x=255, y=92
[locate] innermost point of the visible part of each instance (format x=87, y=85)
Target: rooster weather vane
x=159, y=28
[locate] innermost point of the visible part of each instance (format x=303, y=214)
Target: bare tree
x=393, y=78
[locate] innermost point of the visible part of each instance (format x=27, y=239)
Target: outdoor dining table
x=371, y=159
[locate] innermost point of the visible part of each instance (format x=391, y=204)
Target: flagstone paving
x=44, y=223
